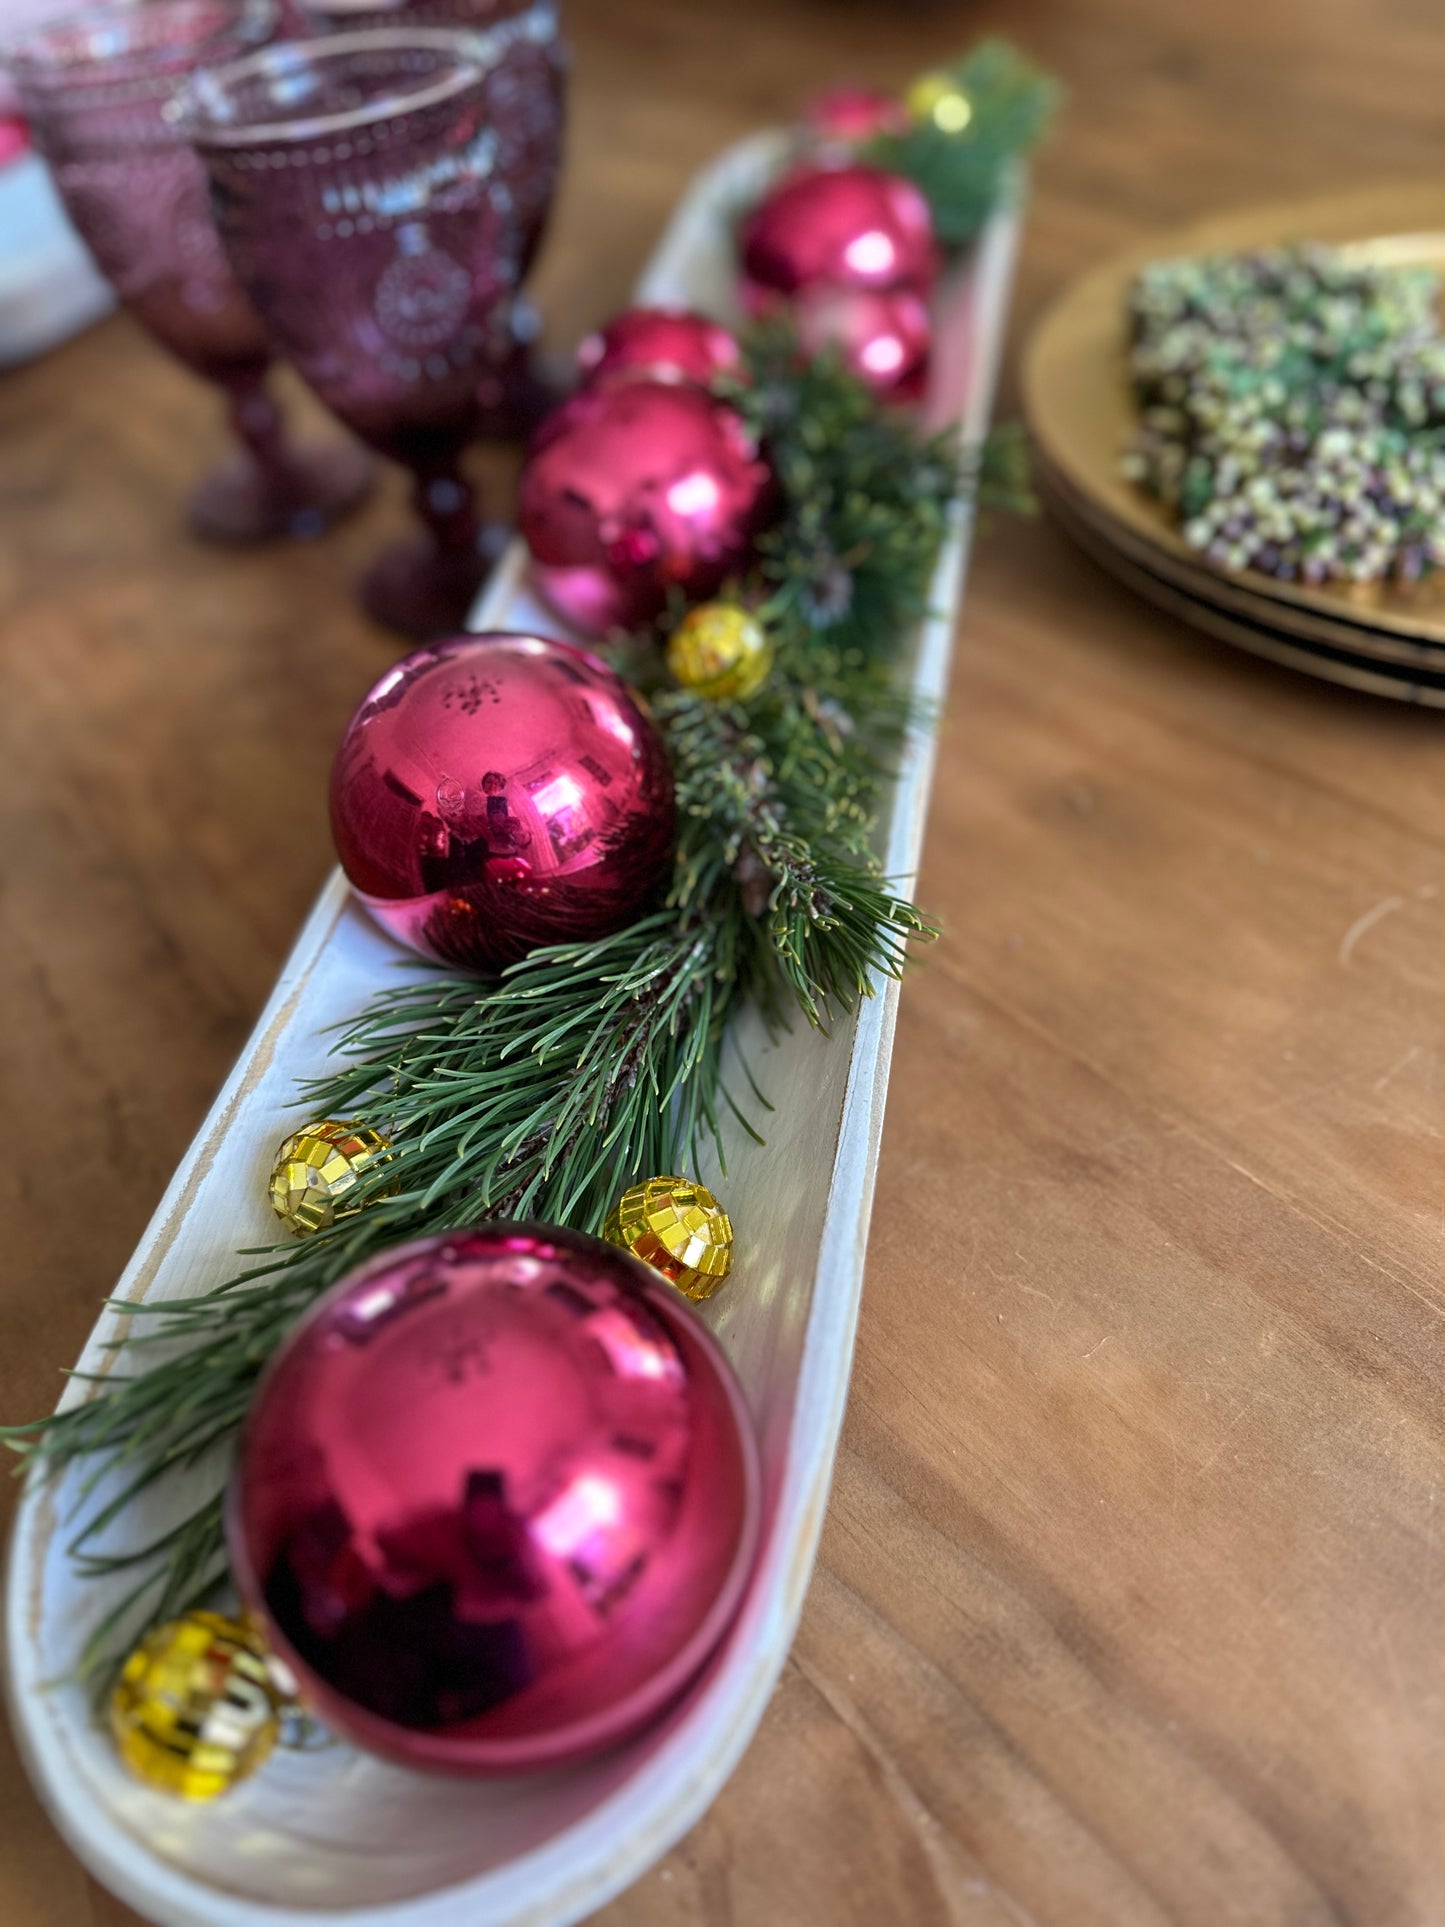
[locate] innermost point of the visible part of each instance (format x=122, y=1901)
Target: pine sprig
x=588, y=1066
x=962, y=172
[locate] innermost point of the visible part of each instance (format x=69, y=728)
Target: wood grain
x=1128, y=1604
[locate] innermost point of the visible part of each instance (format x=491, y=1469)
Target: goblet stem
x=270, y=486
x=448, y=506
x=256, y=420
x=425, y=586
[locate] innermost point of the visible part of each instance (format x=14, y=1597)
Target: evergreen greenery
x=963, y=171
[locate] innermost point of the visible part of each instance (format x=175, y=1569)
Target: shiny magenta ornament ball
x=498, y=792
x=849, y=227
x=496, y=1501
x=671, y=344
x=883, y=337
x=647, y=486
x=850, y=116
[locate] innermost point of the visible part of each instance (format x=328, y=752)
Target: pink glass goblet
x=365, y=197
x=96, y=89
x=529, y=100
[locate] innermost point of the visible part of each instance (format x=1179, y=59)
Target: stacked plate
x=1385, y=638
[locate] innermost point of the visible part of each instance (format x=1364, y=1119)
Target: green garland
x=963, y=171
x=587, y=1067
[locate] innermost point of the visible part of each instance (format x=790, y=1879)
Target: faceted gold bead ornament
x=721, y=652
x=678, y=1228
x=194, y=1710
x=316, y=1167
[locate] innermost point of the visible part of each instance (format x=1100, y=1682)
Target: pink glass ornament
x=496, y=1501
x=849, y=116
x=497, y=792
x=364, y=190
x=589, y=600
x=884, y=337
x=655, y=485
x=670, y=344
x=851, y=227
x=97, y=89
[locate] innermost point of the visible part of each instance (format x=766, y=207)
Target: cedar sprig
x=865, y=502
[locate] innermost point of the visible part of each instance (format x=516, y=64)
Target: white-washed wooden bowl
x=321, y=1835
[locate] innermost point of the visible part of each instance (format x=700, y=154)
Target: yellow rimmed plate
x=1081, y=412
x=1370, y=675
x=1231, y=596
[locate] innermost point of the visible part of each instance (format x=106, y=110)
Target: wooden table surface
x=1128, y=1606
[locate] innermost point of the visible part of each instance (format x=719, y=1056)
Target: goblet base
x=424, y=591
x=242, y=500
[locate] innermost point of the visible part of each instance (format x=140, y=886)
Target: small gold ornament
x=316, y=1167
x=939, y=98
x=678, y=1228
x=194, y=1710
x=720, y=651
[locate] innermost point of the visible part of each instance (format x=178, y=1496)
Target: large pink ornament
x=884, y=338
x=849, y=116
x=493, y=793
x=636, y=488
x=669, y=343
x=496, y=1501
x=848, y=227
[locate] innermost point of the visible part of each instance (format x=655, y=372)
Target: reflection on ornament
x=496, y=1501
x=656, y=485
x=194, y=1710
x=671, y=344
x=678, y=1228
x=720, y=651
x=316, y=1167
x=847, y=227
x=939, y=98
x=497, y=792
x=883, y=337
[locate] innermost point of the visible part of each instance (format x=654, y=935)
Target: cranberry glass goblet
x=529, y=101
x=365, y=196
x=528, y=96
x=96, y=89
